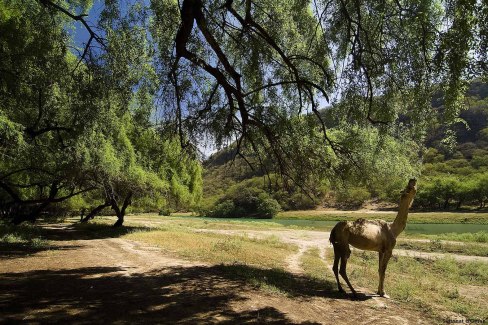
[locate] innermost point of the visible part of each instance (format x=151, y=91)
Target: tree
x=43, y=109
x=258, y=64
x=72, y=126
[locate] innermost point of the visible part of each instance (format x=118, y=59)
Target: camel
x=371, y=235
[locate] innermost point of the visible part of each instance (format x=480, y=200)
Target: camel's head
x=412, y=185
x=411, y=189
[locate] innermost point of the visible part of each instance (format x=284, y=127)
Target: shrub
x=353, y=197
x=268, y=207
x=247, y=202
x=165, y=212
x=299, y=201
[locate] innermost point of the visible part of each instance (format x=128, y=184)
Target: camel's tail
x=333, y=232
x=332, y=237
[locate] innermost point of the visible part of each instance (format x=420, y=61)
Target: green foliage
x=378, y=167
x=353, y=196
x=165, y=212
x=110, y=126
x=71, y=128
x=27, y=236
x=245, y=202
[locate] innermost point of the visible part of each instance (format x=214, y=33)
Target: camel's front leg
x=380, y=261
x=383, y=259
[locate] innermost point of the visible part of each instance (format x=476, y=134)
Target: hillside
x=453, y=172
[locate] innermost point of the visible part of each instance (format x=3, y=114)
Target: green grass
x=478, y=237
x=413, y=217
x=432, y=286
x=313, y=265
x=199, y=222
x=27, y=236
x=277, y=281
x=438, y=246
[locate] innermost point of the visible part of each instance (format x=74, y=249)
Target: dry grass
x=314, y=266
x=477, y=237
x=433, y=286
x=189, y=221
x=217, y=248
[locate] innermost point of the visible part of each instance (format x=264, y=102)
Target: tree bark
x=121, y=212
x=32, y=217
x=459, y=204
x=94, y=212
x=446, y=204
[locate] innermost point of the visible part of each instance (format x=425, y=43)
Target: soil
x=82, y=280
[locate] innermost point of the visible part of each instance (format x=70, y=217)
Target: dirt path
x=113, y=280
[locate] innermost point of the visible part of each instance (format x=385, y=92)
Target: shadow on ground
x=16, y=250
x=32, y=239
x=200, y=294
x=67, y=232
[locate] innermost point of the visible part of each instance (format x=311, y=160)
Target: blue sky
x=81, y=35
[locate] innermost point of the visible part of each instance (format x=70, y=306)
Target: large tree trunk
x=120, y=221
x=31, y=217
x=446, y=204
x=121, y=212
x=95, y=211
x=20, y=218
x=459, y=204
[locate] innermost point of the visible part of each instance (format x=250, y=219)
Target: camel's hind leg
x=343, y=272
x=335, y=267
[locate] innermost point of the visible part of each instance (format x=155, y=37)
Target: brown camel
x=371, y=235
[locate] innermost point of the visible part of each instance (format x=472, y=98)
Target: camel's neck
x=400, y=221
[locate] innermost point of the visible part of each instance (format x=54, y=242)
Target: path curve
x=114, y=280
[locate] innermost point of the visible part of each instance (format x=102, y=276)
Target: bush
x=353, y=197
x=245, y=202
x=268, y=207
x=299, y=201
x=165, y=212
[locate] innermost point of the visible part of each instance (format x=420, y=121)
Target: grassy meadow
x=439, y=287
x=442, y=287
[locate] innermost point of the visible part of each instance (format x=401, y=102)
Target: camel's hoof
x=384, y=295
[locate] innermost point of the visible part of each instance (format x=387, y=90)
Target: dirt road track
x=112, y=280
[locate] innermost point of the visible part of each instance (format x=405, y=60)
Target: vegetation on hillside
x=455, y=174
x=453, y=171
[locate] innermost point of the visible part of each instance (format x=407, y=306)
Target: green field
x=413, y=217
